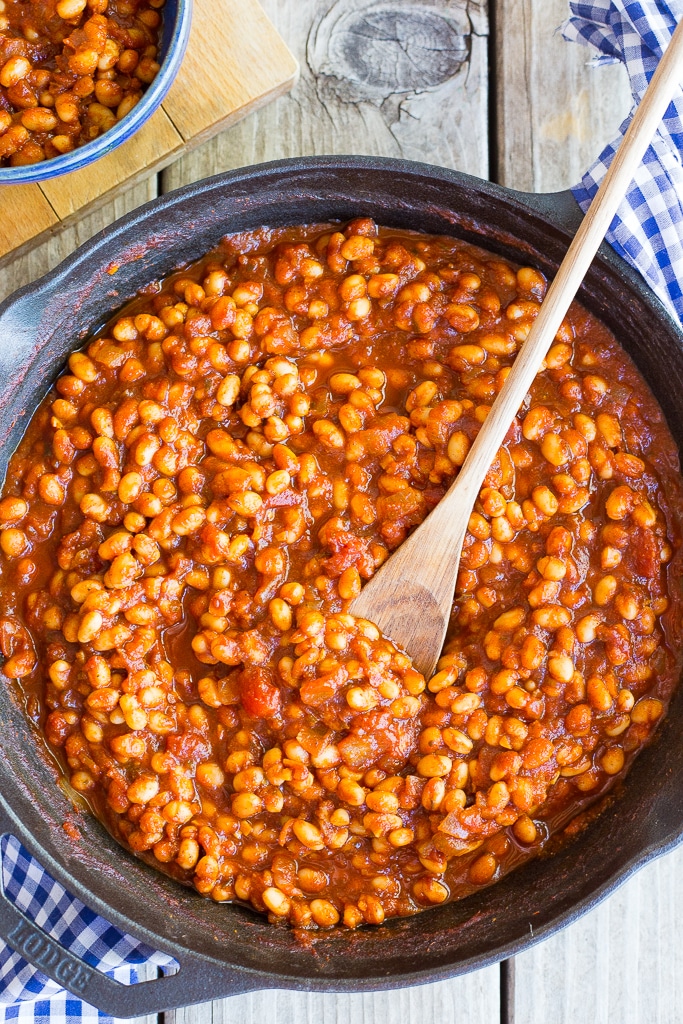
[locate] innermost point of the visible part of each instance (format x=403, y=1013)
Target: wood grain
x=41, y=259
x=365, y=97
x=554, y=112
x=473, y=999
x=25, y=214
x=621, y=964
x=235, y=62
x=241, y=64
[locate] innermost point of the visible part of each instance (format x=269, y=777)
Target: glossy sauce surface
x=195, y=505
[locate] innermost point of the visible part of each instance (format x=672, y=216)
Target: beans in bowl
x=205, y=490
x=69, y=70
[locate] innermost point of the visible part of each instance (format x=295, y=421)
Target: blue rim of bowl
x=174, y=45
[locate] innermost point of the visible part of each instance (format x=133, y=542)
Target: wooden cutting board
x=234, y=63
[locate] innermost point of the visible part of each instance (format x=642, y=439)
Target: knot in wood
x=369, y=51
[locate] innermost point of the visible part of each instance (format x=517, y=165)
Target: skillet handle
x=560, y=207
x=197, y=980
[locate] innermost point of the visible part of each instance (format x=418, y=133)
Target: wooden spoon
x=411, y=596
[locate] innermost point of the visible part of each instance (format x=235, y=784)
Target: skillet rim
x=554, y=207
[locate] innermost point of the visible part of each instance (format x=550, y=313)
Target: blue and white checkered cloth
x=647, y=232
x=26, y=995
x=648, y=229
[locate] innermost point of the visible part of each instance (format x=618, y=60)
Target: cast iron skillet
x=223, y=949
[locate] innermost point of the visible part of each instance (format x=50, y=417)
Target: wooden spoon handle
x=574, y=267
x=410, y=598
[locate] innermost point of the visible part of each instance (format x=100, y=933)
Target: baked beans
x=70, y=70
x=207, y=487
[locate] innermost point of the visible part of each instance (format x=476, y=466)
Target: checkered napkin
x=648, y=229
x=28, y=996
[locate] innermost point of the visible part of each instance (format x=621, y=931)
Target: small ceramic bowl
x=176, y=18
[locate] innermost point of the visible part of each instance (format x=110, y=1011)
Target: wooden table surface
x=492, y=90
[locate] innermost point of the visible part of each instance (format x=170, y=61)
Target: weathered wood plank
x=474, y=998
x=621, y=964
x=554, y=113
x=46, y=256
x=396, y=79
x=26, y=213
